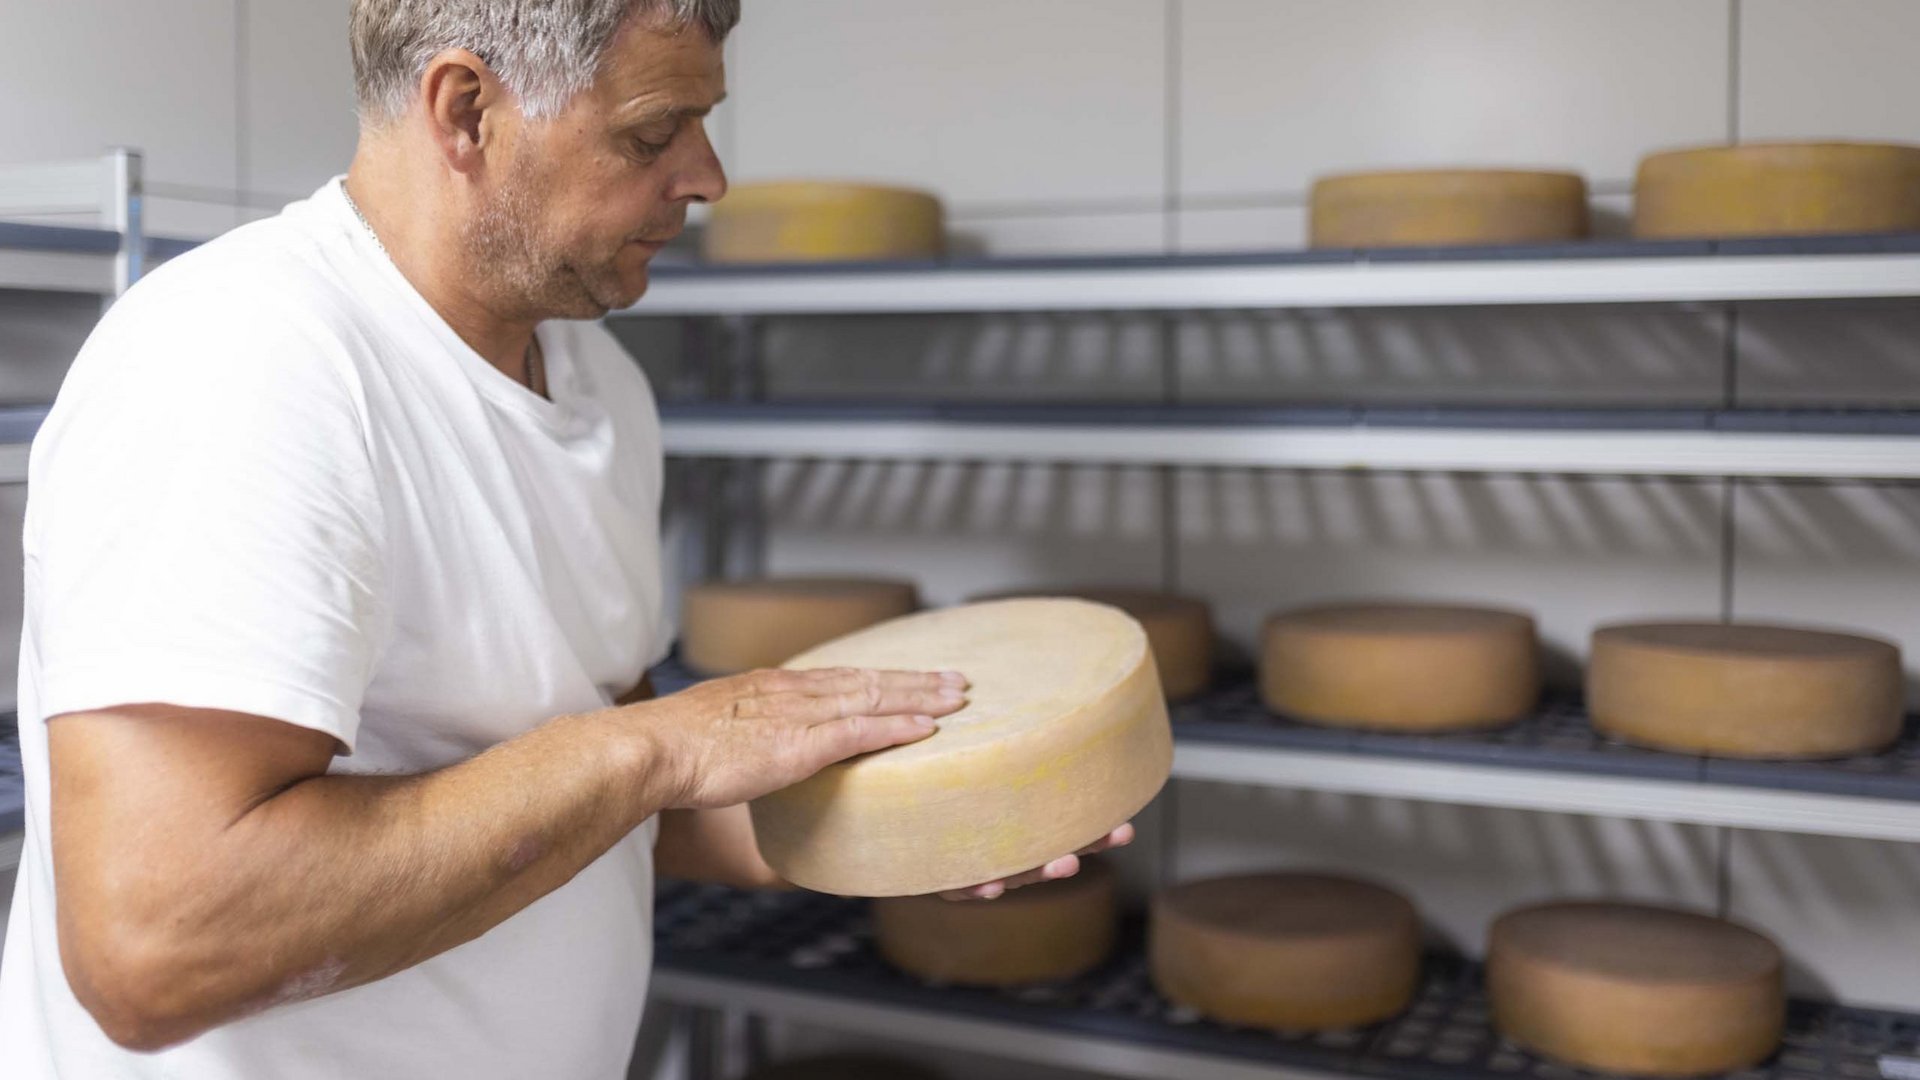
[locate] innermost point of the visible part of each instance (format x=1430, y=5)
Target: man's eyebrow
x=656, y=114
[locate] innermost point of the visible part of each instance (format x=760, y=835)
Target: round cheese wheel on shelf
x=813, y=221
x=1778, y=189
x=1064, y=737
x=1042, y=933
x=846, y=1067
x=1445, y=207
x=1179, y=630
x=1645, y=991
x=1295, y=952
x=1745, y=690
x=1401, y=667
x=733, y=626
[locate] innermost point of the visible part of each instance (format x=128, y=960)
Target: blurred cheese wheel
x=846, y=1067
x=1064, y=737
x=1401, y=667
x=1179, y=630
x=1745, y=690
x=1444, y=207
x=1638, y=990
x=1042, y=933
x=820, y=222
x=1297, y=952
x=1778, y=189
x=732, y=626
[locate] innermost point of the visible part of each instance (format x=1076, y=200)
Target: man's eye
x=649, y=148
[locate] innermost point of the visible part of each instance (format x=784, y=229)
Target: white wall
x=1091, y=126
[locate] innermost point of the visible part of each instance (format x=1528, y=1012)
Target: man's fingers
x=1063, y=867
x=1119, y=837
x=838, y=740
x=854, y=692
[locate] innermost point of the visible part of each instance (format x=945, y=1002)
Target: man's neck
x=426, y=247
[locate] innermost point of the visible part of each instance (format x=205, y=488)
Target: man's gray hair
x=545, y=51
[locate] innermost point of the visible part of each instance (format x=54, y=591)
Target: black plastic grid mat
x=1558, y=736
x=822, y=944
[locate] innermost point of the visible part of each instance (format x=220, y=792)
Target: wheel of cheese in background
x=1778, y=189
x=820, y=222
x=1179, y=630
x=1297, y=952
x=733, y=626
x=846, y=1067
x=1640, y=990
x=1064, y=737
x=1446, y=207
x=1401, y=667
x=1042, y=933
x=1745, y=690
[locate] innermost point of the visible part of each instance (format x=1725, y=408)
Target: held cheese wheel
x=1296, y=952
x=1064, y=737
x=733, y=626
x=1745, y=690
x=821, y=222
x=1445, y=207
x=1778, y=189
x=1644, y=991
x=1042, y=933
x=1401, y=667
x=1179, y=630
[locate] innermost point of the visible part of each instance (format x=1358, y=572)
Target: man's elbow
x=132, y=986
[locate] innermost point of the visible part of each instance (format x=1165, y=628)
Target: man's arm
x=208, y=868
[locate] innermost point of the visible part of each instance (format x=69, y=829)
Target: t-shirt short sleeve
x=203, y=526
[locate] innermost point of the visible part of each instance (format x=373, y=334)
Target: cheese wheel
x=1296, y=952
x=1064, y=737
x=1179, y=630
x=1745, y=690
x=821, y=222
x=733, y=626
x=1401, y=667
x=1778, y=189
x=1042, y=933
x=846, y=1067
x=1444, y=207
x=1645, y=991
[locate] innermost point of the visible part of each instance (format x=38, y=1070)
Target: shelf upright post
x=121, y=211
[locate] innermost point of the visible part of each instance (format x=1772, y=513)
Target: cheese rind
x=1444, y=207
x=1745, y=690
x=1296, y=952
x=1778, y=189
x=1644, y=991
x=810, y=221
x=733, y=626
x=1047, y=932
x=1064, y=737
x=1179, y=630
x=1401, y=667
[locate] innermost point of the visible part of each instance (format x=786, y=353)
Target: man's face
x=585, y=200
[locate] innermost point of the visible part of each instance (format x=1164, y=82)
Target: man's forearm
x=341, y=880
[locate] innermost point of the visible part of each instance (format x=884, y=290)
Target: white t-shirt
x=276, y=482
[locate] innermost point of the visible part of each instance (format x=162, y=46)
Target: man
x=339, y=555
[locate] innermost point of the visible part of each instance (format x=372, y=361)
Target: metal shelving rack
x=1552, y=762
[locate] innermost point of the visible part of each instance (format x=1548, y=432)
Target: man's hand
x=1063, y=867
x=732, y=740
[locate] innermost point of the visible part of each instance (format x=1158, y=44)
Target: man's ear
x=465, y=102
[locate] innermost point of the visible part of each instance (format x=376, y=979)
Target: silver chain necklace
x=536, y=359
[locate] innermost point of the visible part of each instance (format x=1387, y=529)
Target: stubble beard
x=527, y=268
